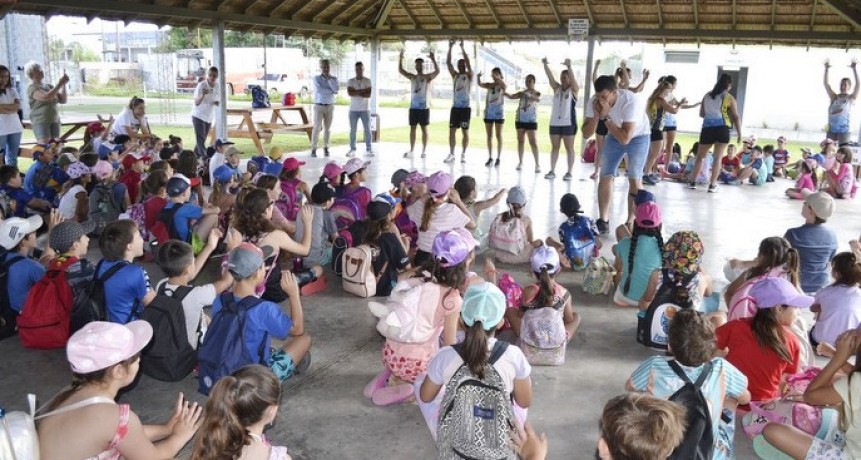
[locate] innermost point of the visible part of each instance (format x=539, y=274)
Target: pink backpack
x=507, y=236
x=590, y=152
x=513, y=293
x=742, y=304
x=288, y=201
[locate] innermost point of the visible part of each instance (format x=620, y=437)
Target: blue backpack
x=223, y=348
x=259, y=97
x=579, y=242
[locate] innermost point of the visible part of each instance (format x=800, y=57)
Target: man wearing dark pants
x=205, y=98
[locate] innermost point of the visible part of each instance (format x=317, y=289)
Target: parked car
x=280, y=83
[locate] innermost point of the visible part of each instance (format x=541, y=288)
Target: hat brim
x=142, y=332
x=799, y=300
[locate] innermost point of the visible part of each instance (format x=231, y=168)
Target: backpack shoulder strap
x=15, y=259
x=179, y=293
x=674, y=365
x=77, y=405
x=111, y=271
x=707, y=367
x=497, y=351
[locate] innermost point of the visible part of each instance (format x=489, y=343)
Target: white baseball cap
x=15, y=229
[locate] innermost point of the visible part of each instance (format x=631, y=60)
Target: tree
x=178, y=38
x=315, y=48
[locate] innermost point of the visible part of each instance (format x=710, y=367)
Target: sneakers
x=603, y=226
x=313, y=153
x=369, y=153
x=408, y=154
x=537, y=169
x=449, y=159
x=497, y=162
x=351, y=153
x=519, y=166
x=649, y=179
x=326, y=151
x=424, y=155
x=567, y=177
x=692, y=185
x=489, y=161
x=304, y=364
x=462, y=159
x=713, y=188
x=550, y=175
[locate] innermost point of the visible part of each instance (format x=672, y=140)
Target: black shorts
x=714, y=135
x=497, y=122
x=459, y=117
x=601, y=129
x=570, y=130
x=669, y=128
x=419, y=117
x=526, y=126
x=657, y=135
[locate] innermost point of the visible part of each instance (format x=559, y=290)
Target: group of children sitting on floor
x=462, y=344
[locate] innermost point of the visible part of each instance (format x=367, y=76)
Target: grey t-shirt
x=42, y=111
x=322, y=225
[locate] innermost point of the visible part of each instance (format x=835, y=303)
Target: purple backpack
x=346, y=209
x=288, y=201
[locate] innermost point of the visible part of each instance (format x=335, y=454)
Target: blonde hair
x=30, y=68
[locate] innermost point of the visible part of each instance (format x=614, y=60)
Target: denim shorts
x=612, y=153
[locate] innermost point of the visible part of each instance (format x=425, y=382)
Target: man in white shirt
x=205, y=98
x=359, y=89
x=628, y=137
x=325, y=89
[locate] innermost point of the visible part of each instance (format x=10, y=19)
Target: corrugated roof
x=798, y=22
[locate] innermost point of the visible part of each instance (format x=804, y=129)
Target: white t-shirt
x=192, y=305
x=126, y=118
x=446, y=217
x=68, y=202
x=214, y=162
x=562, y=110
x=853, y=409
x=627, y=109
x=9, y=122
x=358, y=103
x=203, y=111
x=512, y=365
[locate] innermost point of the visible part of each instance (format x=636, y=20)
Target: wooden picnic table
x=262, y=132
x=73, y=124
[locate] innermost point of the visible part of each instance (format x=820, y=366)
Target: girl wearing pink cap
x=105, y=357
x=638, y=256
x=293, y=188
x=438, y=211
x=272, y=186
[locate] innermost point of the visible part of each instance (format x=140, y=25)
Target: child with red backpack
x=44, y=322
x=431, y=302
x=293, y=188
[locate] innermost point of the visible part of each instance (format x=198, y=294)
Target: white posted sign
x=577, y=26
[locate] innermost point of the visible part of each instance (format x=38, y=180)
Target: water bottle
x=6, y=449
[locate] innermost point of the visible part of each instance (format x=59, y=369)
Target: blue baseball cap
x=273, y=169
x=483, y=302
x=223, y=174
x=643, y=196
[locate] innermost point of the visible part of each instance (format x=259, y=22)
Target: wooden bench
x=262, y=132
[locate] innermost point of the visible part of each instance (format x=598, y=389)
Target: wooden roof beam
x=661, y=15
x=436, y=13
x=252, y=5
x=588, y=13
x=773, y=12
x=315, y=16
x=493, y=13
x=813, y=16
x=5, y=8
x=733, y=14
x=696, y=14
x=469, y=19
x=348, y=12
x=525, y=15
x=846, y=10
x=383, y=15
x=624, y=14
x=413, y=19
x=302, y=6
x=556, y=11
x=223, y=3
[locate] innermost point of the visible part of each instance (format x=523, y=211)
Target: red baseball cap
x=129, y=160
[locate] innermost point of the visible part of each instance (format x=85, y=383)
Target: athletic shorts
x=419, y=117
x=281, y=364
x=714, y=135
x=601, y=129
x=526, y=126
x=496, y=122
x=459, y=117
x=657, y=135
x=569, y=130
x=669, y=128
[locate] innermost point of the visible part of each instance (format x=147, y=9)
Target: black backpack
x=91, y=305
x=167, y=216
x=698, y=443
x=8, y=316
x=168, y=357
x=654, y=326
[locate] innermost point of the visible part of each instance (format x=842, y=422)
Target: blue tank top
x=646, y=259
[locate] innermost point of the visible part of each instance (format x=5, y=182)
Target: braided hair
x=638, y=232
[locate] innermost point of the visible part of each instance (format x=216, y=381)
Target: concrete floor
x=323, y=413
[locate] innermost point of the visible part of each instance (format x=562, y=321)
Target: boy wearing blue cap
x=185, y=221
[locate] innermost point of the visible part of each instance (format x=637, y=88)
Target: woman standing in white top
x=563, y=119
x=205, y=98
x=132, y=120
x=10, y=124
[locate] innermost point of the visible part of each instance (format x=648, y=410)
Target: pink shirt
x=805, y=182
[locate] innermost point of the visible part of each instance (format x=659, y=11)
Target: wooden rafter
x=661, y=14
x=525, y=15
x=556, y=11
x=347, y=12
x=436, y=13
x=410, y=15
x=588, y=13
x=302, y=6
x=773, y=12
x=222, y=4
x=848, y=11
x=697, y=15
x=624, y=14
x=315, y=16
x=494, y=13
x=466, y=15
x=383, y=15
x=733, y=14
x=813, y=14
x=252, y=5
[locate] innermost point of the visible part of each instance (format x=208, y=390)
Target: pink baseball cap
x=332, y=170
x=103, y=170
x=648, y=215
x=100, y=344
x=292, y=164
x=439, y=183
x=414, y=178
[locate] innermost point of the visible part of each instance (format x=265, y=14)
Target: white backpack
x=358, y=277
x=542, y=334
x=408, y=314
x=507, y=236
x=18, y=437
x=598, y=278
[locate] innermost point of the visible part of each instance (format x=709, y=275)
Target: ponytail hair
x=515, y=211
x=474, y=351
x=769, y=332
x=774, y=252
x=722, y=85
x=662, y=86
x=430, y=208
x=545, y=288
x=155, y=181
x=638, y=232
x=848, y=267
x=236, y=402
